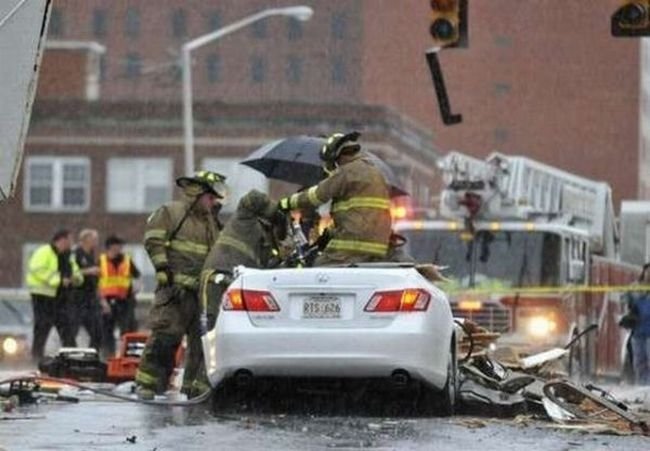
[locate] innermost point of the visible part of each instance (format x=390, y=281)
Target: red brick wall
x=544, y=78
x=63, y=74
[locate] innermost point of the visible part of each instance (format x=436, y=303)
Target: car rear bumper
x=407, y=344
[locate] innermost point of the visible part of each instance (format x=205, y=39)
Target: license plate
x=322, y=307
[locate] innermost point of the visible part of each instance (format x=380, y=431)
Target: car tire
x=442, y=403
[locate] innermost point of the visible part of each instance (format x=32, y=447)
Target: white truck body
x=22, y=33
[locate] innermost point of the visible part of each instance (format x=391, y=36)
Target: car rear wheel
x=441, y=402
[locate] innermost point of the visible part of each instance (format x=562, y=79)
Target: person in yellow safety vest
x=178, y=237
x=116, y=292
x=51, y=273
x=360, y=207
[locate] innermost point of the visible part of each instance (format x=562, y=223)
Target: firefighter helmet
x=211, y=182
x=339, y=143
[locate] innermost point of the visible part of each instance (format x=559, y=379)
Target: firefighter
x=178, y=237
x=117, y=273
x=360, y=203
x=52, y=273
x=250, y=239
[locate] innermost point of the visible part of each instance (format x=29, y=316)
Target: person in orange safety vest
x=116, y=290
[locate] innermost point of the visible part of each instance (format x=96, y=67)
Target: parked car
x=371, y=321
x=15, y=329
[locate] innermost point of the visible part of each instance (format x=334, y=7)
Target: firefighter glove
x=164, y=277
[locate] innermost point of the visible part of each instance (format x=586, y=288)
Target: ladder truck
x=524, y=242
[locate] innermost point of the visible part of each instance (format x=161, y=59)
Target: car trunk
x=324, y=297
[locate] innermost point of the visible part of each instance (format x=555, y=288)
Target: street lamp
x=302, y=13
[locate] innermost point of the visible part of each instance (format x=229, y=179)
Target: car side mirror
x=576, y=270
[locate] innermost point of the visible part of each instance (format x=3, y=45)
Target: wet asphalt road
x=99, y=424
x=104, y=425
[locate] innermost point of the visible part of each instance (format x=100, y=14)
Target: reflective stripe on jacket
x=114, y=281
x=43, y=274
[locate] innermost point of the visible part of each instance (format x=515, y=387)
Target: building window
x=213, y=68
x=55, y=27
x=339, y=25
x=339, y=71
x=100, y=23
x=179, y=24
x=501, y=89
x=132, y=23
x=259, y=29
x=294, y=29
x=294, y=69
x=241, y=179
x=133, y=66
x=258, y=69
x=57, y=184
x=143, y=263
x=138, y=185
x=214, y=21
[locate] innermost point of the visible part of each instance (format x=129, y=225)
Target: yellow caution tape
x=548, y=290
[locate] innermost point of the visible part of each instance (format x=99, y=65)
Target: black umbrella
x=297, y=160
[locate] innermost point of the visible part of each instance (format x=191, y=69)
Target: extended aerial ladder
x=515, y=188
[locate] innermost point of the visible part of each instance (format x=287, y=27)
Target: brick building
x=108, y=166
x=540, y=77
x=537, y=80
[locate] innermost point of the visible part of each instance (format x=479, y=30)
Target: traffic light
x=631, y=19
x=449, y=23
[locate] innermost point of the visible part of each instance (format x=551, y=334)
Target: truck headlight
x=10, y=345
x=540, y=326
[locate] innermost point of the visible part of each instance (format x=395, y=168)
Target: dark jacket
x=639, y=306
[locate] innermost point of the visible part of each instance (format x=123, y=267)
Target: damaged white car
x=372, y=322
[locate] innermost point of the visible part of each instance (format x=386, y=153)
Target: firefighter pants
x=50, y=312
x=122, y=317
x=175, y=313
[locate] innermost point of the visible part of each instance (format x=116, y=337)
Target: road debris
x=516, y=386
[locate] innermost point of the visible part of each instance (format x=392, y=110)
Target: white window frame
x=139, y=184
x=217, y=164
x=56, y=204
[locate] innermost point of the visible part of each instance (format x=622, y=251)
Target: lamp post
x=302, y=13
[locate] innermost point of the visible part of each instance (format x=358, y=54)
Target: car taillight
x=409, y=300
x=250, y=301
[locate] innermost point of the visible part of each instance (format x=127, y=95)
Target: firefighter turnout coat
x=360, y=211
x=184, y=253
x=248, y=239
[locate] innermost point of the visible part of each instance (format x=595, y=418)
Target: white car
x=368, y=321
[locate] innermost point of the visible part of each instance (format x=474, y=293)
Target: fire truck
x=528, y=248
